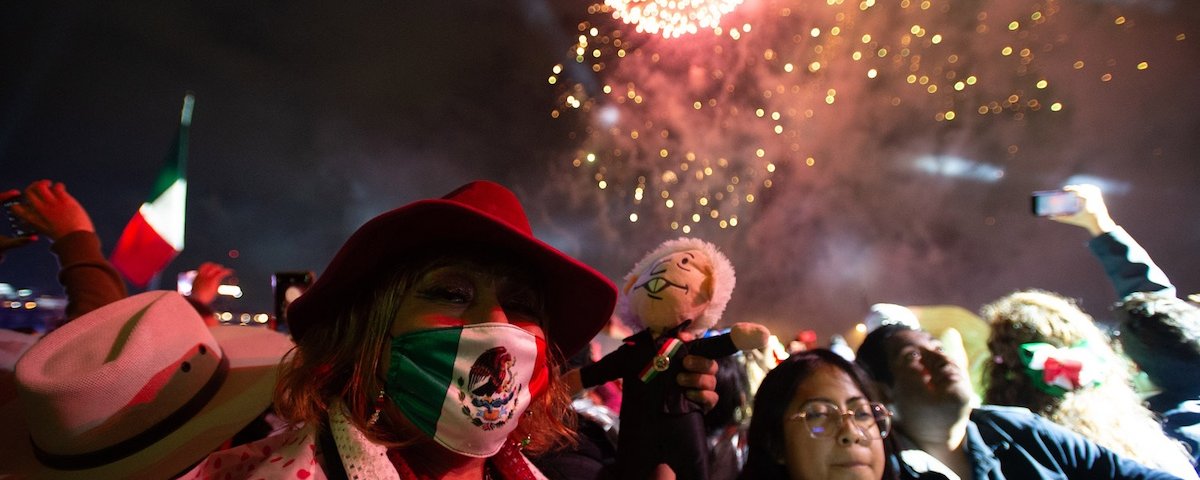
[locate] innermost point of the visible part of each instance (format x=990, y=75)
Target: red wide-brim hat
x=579, y=300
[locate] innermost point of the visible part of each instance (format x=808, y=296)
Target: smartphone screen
x=1054, y=202
x=17, y=227
x=183, y=282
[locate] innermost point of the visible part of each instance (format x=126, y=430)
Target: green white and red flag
x=155, y=234
x=463, y=385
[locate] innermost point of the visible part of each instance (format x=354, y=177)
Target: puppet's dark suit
x=658, y=423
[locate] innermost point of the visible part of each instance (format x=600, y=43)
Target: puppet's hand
x=749, y=336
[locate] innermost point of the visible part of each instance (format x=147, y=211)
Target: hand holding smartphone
x=1051, y=203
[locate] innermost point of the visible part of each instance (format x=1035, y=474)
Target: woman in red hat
x=429, y=348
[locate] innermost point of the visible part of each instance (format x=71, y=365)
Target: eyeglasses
x=823, y=418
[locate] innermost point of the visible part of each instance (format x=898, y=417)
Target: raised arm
x=1126, y=263
x=89, y=280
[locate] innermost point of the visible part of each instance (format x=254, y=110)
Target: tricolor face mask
x=466, y=387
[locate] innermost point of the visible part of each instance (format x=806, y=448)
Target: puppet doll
x=682, y=286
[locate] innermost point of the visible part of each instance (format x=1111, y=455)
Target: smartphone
x=1049, y=203
x=17, y=227
x=183, y=282
x=288, y=286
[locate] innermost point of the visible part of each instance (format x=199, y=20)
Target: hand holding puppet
x=681, y=286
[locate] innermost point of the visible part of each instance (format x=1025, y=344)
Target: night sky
x=311, y=118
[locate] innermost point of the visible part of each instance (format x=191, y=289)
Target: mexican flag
x=462, y=386
x=155, y=234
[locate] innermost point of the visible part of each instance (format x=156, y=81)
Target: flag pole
x=185, y=124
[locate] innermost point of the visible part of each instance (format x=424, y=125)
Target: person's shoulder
x=288, y=454
x=1006, y=418
x=1019, y=424
x=1002, y=412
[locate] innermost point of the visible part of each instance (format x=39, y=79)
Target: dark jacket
x=1013, y=443
x=1128, y=265
x=1131, y=269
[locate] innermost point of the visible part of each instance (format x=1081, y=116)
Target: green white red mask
x=467, y=387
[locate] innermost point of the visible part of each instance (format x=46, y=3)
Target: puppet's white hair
x=723, y=281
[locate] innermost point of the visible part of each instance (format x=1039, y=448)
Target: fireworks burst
x=671, y=18
x=692, y=132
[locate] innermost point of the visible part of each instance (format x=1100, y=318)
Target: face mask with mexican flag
x=466, y=387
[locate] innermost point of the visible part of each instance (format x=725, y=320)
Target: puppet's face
x=677, y=287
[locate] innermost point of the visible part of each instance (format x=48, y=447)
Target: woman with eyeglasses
x=816, y=417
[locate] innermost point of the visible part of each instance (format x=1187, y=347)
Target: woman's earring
x=524, y=442
x=378, y=408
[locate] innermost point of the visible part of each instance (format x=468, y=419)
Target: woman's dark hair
x=872, y=353
x=1161, y=334
x=770, y=404
x=731, y=389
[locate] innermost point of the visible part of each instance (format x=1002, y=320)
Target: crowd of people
x=454, y=352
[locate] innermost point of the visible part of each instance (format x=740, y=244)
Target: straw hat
x=13, y=344
x=579, y=299
x=139, y=388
